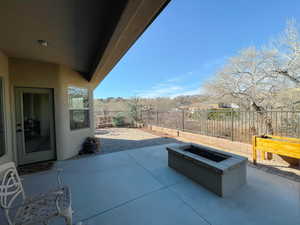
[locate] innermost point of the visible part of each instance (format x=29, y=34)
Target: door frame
x=22, y=157
x=5, y=127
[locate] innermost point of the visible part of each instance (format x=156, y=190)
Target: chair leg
x=69, y=220
x=68, y=215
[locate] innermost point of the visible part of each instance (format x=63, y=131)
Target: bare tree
x=246, y=80
x=262, y=78
x=287, y=61
x=134, y=106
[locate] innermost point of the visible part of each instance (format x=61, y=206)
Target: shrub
x=118, y=120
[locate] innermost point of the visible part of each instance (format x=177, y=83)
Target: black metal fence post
x=149, y=117
x=183, y=119
x=232, y=125
x=206, y=122
x=157, y=118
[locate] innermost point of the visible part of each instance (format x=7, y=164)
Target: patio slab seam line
x=124, y=203
x=139, y=197
x=191, y=207
x=152, y=175
x=175, y=193
x=167, y=187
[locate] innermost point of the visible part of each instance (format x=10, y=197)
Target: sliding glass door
x=35, y=125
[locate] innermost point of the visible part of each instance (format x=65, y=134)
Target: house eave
x=136, y=18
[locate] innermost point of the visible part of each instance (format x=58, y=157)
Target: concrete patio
x=117, y=139
x=137, y=187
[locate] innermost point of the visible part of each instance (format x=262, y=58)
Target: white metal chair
x=36, y=210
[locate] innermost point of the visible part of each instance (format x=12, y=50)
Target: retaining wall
x=224, y=144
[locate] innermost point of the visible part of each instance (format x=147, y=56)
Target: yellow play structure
x=284, y=146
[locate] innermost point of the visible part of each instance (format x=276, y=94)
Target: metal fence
x=235, y=125
x=105, y=118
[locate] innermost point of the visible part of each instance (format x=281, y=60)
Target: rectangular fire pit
x=220, y=172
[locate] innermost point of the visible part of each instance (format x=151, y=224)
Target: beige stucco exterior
x=70, y=141
x=28, y=73
x=55, y=66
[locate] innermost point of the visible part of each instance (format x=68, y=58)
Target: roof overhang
x=88, y=36
x=137, y=16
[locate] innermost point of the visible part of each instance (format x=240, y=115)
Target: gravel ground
x=119, y=139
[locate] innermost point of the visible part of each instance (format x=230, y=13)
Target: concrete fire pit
x=218, y=171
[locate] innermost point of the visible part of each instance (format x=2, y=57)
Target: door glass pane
x=37, y=115
x=2, y=134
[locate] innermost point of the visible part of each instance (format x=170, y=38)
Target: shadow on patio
x=109, y=145
x=120, y=139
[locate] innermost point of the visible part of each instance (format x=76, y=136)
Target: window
x=2, y=127
x=79, y=108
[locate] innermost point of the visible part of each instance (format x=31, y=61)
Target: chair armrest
x=59, y=179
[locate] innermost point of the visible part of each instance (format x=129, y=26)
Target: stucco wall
x=71, y=141
x=4, y=74
x=27, y=73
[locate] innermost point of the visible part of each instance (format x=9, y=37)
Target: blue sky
x=190, y=40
